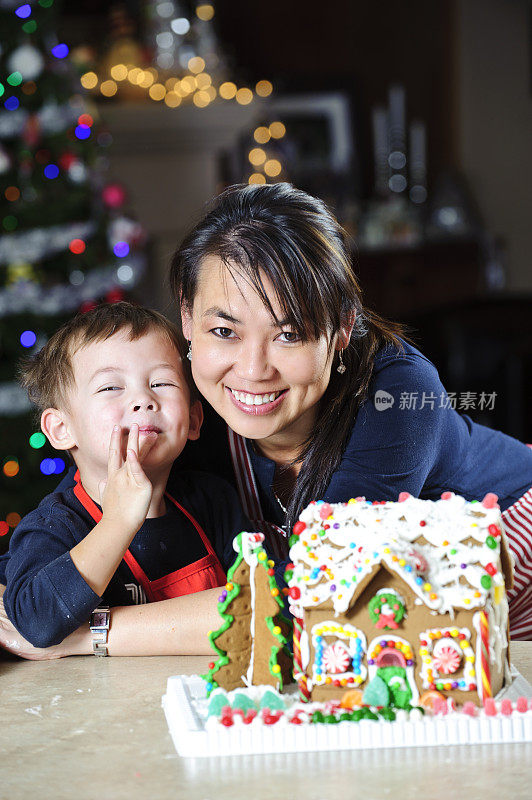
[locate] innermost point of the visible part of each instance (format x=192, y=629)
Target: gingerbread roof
x=448, y=551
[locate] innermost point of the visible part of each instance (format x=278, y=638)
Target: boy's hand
x=126, y=495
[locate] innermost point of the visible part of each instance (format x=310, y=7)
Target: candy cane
x=484, y=650
x=299, y=672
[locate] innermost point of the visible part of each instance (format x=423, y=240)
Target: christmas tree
x=65, y=243
x=251, y=643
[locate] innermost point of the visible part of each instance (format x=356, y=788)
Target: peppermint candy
x=446, y=660
x=336, y=659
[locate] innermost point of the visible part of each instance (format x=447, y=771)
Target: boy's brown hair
x=48, y=374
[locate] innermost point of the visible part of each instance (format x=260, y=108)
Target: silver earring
x=341, y=368
x=189, y=354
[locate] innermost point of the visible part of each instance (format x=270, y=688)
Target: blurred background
x=413, y=120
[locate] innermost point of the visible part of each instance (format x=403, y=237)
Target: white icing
x=368, y=535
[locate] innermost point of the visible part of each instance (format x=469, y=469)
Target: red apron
x=206, y=573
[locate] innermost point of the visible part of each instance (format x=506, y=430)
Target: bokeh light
x=119, y=72
x=82, y=131
x=264, y=88
x=47, y=466
x=11, y=467
x=24, y=11
x=13, y=519
x=244, y=96
x=89, y=80
x=51, y=171
x=227, y=90
x=277, y=130
x=28, y=338
x=262, y=134
x=205, y=11
x=60, y=51
x=77, y=246
x=272, y=167
x=37, y=440
x=121, y=249
x=4, y=527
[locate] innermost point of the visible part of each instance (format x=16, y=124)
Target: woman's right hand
x=78, y=643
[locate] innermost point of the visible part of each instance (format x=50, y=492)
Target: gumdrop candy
x=242, y=702
x=470, y=709
x=217, y=703
x=271, y=700
x=376, y=693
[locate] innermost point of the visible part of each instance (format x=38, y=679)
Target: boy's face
x=121, y=382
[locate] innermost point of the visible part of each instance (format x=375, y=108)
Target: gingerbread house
x=251, y=644
x=400, y=600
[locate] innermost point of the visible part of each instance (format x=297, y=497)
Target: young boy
x=115, y=391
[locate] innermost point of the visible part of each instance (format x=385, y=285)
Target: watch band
x=99, y=623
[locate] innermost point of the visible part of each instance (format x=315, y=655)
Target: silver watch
x=99, y=623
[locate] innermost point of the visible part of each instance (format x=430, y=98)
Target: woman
x=315, y=396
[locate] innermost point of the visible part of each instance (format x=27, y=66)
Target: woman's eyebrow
x=216, y=311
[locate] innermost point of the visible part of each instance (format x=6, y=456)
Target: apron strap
x=249, y=495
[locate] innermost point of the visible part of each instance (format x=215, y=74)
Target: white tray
x=192, y=738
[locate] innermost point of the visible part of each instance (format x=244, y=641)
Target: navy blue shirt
x=46, y=597
x=406, y=437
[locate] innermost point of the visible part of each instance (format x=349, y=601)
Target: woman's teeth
x=254, y=399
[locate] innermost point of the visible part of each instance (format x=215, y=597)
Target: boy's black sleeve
x=46, y=598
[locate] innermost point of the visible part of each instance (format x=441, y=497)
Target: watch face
x=99, y=619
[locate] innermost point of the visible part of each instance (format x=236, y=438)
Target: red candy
x=446, y=495
x=404, y=496
x=494, y=530
x=295, y=593
x=250, y=716
x=489, y=707
x=522, y=704
x=491, y=569
x=325, y=511
x=506, y=707
x=490, y=501
x=470, y=709
x=299, y=527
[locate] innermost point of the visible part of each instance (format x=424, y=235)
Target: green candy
x=271, y=700
x=485, y=582
x=243, y=702
x=376, y=693
x=217, y=702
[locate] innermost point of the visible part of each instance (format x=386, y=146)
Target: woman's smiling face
x=256, y=373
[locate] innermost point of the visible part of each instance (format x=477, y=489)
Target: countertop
x=86, y=727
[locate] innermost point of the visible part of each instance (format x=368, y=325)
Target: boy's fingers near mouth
x=115, y=450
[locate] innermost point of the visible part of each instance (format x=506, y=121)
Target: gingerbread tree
x=251, y=644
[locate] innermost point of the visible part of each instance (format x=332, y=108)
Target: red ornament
x=113, y=195
x=299, y=527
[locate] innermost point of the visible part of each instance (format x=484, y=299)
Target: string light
x=51, y=171
x=244, y=96
x=196, y=64
x=82, y=132
x=257, y=156
x=12, y=193
x=24, y=11
x=257, y=177
x=119, y=72
x=262, y=135
x=205, y=12
x=15, y=79
x=12, y=103
x=4, y=527
x=277, y=130
x=264, y=88
x=89, y=80
x=108, y=88
x=272, y=167
x=77, y=246
x=121, y=249
x=157, y=91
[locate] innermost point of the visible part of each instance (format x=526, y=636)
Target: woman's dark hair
x=295, y=241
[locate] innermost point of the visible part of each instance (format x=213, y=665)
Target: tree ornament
x=386, y=610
